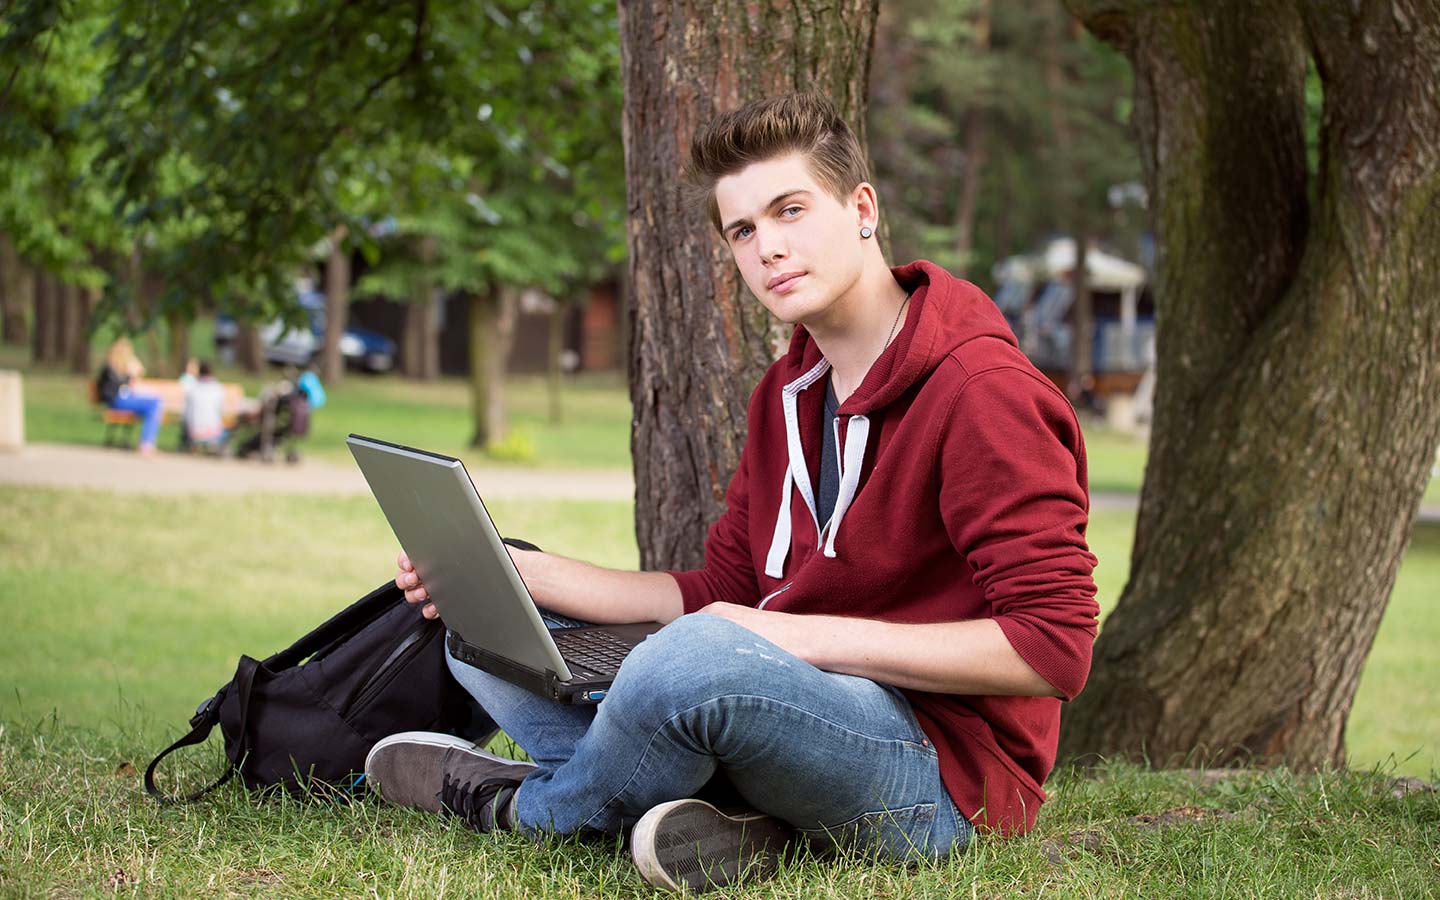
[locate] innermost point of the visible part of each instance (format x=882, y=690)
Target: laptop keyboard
x=599, y=651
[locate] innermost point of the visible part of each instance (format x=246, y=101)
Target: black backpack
x=108, y=384
x=305, y=718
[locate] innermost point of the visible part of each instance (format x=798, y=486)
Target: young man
x=892, y=607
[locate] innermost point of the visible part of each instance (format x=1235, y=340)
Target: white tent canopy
x=1103, y=271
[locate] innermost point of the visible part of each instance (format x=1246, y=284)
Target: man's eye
x=740, y=232
x=789, y=208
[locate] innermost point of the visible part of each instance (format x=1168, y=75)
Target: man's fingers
x=403, y=562
x=430, y=612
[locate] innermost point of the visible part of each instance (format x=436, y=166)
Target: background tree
x=56, y=223
x=997, y=127
x=1298, y=375
x=233, y=139
x=698, y=339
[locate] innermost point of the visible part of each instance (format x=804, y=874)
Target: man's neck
x=860, y=327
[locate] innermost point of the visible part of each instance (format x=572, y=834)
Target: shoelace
x=482, y=806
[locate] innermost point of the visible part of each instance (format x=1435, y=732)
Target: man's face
x=778, y=221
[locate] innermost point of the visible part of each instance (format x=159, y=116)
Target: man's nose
x=771, y=243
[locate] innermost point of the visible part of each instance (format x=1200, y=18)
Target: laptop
x=441, y=522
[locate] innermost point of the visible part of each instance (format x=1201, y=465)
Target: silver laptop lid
x=440, y=521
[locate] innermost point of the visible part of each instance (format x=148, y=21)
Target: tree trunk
x=1298, y=366
x=16, y=290
x=177, y=350
x=148, y=291
x=420, y=344
x=62, y=334
x=41, y=337
x=412, y=365
x=482, y=332
x=86, y=299
x=430, y=336
x=249, y=350
x=1082, y=322
x=698, y=340
x=976, y=146
x=337, y=307
x=506, y=318
x=554, y=352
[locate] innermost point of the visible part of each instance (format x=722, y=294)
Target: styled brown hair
x=804, y=123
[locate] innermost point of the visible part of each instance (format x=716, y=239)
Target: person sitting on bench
x=117, y=386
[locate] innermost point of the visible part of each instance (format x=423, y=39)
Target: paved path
x=66, y=465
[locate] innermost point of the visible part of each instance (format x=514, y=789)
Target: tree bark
x=16, y=291
x=1298, y=366
x=337, y=307
x=698, y=340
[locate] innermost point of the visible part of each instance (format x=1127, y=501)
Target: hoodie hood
x=944, y=313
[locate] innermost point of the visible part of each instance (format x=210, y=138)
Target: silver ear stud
x=866, y=231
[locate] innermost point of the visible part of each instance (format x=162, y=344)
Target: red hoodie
x=963, y=495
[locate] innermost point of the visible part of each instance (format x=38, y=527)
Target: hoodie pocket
x=773, y=594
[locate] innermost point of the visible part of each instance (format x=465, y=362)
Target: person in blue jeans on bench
x=116, y=386
x=893, y=606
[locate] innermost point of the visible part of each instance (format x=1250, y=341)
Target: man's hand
x=786, y=631
x=408, y=581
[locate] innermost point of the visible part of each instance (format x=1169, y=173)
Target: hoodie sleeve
x=1014, y=500
x=729, y=571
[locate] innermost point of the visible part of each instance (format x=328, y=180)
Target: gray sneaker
x=444, y=774
x=689, y=844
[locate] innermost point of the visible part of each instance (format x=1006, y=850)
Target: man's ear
x=866, y=204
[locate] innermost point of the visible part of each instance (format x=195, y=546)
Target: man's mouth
x=783, y=283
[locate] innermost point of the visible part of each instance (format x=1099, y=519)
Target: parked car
x=361, y=348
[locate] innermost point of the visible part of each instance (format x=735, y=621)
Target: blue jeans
x=840, y=758
x=149, y=407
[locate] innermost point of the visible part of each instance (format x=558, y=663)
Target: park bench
x=120, y=425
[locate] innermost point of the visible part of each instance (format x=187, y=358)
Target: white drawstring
x=796, y=474
x=855, y=439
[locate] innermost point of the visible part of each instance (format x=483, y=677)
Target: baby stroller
x=281, y=421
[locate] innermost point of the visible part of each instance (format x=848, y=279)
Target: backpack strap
x=339, y=627
x=201, y=724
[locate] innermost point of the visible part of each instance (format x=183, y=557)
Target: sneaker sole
x=424, y=738
x=691, y=845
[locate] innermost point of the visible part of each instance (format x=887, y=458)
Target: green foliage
x=56, y=213
x=224, y=142
x=1039, y=78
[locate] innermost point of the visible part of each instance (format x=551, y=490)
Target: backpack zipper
x=407, y=649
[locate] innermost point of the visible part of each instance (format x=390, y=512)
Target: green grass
x=123, y=611
x=168, y=591
x=72, y=825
